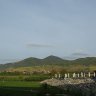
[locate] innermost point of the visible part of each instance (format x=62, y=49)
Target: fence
x=75, y=75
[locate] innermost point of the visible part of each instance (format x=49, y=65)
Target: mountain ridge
x=50, y=60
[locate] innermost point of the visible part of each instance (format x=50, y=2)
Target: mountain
x=86, y=61
x=54, y=60
x=24, y=63
x=50, y=60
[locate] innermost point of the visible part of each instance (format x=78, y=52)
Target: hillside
x=50, y=60
x=86, y=61
x=54, y=60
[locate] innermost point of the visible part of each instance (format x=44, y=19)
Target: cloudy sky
x=38, y=28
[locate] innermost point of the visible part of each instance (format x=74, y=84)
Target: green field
x=19, y=88
x=19, y=84
x=33, y=77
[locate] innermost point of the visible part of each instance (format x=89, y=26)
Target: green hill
x=85, y=61
x=50, y=60
x=54, y=60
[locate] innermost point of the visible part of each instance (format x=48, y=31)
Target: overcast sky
x=38, y=28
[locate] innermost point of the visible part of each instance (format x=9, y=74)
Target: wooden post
x=84, y=75
x=59, y=76
x=89, y=74
x=74, y=75
x=65, y=75
x=81, y=74
x=56, y=76
x=68, y=75
x=78, y=75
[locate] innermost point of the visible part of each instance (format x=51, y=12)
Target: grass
x=33, y=77
x=13, y=88
x=19, y=88
x=19, y=84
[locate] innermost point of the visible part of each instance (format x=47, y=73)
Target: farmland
x=21, y=85
x=26, y=88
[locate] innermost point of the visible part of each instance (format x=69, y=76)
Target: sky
x=38, y=28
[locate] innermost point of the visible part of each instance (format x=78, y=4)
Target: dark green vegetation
x=19, y=84
x=36, y=89
x=42, y=90
x=33, y=77
x=51, y=60
x=24, y=85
